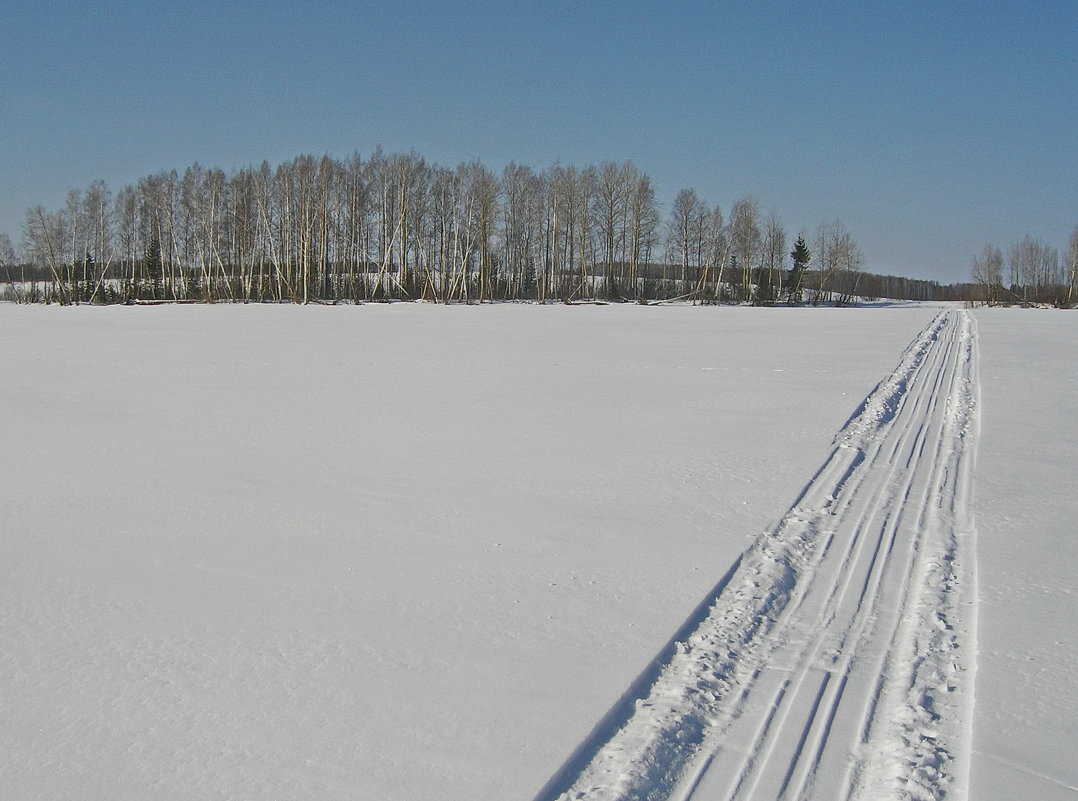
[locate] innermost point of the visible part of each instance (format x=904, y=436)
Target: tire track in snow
x=836, y=660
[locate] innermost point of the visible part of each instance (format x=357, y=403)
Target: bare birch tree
x=643, y=229
x=1035, y=271
x=772, y=257
x=745, y=239
x=838, y=264
x=686, y=242
x=15, y=286
x=97, y=201
x=612, y=182
x=1072, y=266
x=521, y=229
x=987, y=272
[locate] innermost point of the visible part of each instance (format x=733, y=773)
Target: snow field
x=401, y=551
x=829, y=665
x=1026, y=717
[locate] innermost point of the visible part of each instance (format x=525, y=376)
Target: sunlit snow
x=407, y=551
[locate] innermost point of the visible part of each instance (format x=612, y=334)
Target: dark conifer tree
x=152, y=268
x=765, y=290
x=801, y=256
x=86, y=267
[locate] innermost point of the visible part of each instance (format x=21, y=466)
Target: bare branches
x=838, y=264
x=1035, y=273
x=987, y=273
x=393, y=226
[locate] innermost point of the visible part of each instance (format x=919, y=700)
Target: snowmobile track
x=836, y=661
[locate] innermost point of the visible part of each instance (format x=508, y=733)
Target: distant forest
x=397, y=227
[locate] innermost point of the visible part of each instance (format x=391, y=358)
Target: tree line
x=393, y=226
x=1032, y=273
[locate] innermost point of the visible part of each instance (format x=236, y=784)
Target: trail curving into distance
x=836, y=660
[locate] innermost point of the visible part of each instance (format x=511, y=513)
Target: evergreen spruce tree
x=765, y=289
x=801, y=256
x=152, y=268
x=89, y=276
x=84, y=271
x=529, y=289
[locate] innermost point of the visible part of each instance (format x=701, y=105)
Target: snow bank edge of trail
x=639, y=749
x=623, y=709
x=923, y=745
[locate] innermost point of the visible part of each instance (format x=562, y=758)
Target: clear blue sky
x=928, y=128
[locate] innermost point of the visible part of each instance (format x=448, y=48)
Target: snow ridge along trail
x=836, y=660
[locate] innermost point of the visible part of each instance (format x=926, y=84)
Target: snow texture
x=836, y=660
x=1026, y=714
x=407, y=551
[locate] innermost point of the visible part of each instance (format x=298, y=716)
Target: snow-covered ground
x=1026, y=718
x=409, y=551
x=837, y=659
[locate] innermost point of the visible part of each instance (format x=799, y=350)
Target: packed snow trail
x=836, y=661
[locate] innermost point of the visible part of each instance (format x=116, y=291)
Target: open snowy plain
x=521, y=552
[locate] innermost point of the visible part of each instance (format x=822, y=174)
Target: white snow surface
x=1026, y=713
x=407, y=551
x=837, y=658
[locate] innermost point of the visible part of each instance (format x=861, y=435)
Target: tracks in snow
x=836, y=660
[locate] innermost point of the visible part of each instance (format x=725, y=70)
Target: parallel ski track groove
x=919, y=767
x=815, y=624
x=884, y=541
x=847, y=571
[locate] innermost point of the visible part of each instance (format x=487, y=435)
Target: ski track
x=837, y=660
